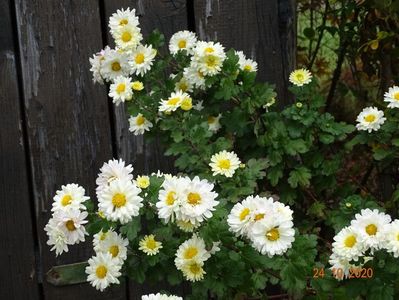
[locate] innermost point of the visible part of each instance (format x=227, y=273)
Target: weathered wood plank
x=68, y=121
x=168, y=17
x=18, y=278
x=264, y=30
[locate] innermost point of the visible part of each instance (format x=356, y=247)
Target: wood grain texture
x=68, y=122
x=168, y=17
x=264, y=30
x=18, y=278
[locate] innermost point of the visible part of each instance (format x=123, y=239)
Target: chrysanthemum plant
x=246, y=172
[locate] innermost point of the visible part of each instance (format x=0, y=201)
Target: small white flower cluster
x=111, y=252
x=118, y=195
x=267, y=223
x=159, y=296
x=191, y=256
x=370, y=230
x=371, y=118
x=66, y=226
x=187, y=201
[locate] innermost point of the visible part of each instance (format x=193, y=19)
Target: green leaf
x=296, y=146
x=309, y=33
x=299, y=176
x=131, y=229
x=274, y=174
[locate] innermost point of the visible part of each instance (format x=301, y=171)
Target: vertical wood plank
x=18, y=278
x=68, y=122
x=264, y=30
x=168, y=17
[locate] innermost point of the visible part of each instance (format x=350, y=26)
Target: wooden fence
x=57, y=127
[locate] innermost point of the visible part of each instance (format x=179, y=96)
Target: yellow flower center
x=244, y=213
x=183, y=86
x=211, y=61
x=369, y=118
x=200, y=74
x=66, y=200
x=120, y=88
x=119, y=200
x=273, y=234
x=123, y=22
x=182, y=44
x=371, y=229
x=397, y=237
x=170, y=198
x=114, y=250
x=186, y=104
x=140, y=120
x=350, y=241
x=224, y=164
x=211, y=120
x=173, y=101
x=70, y=225
x=396, y=96
x=190, y=252
x=194, y=198
x=151, y=244
x=259, y=217
x=247, y=68
x=299, y=77
x=209, y=50
x=195, y=268
x=126, y=36
x=116, y=66
x=101, y=271
x=139, y=59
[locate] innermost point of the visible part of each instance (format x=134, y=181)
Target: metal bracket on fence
x=67, y=274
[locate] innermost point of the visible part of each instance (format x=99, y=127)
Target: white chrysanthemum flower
x=102, y=271
x=370, y=119
x=128, y=37
x=187, y=226
x=71, y=196
x=337, y=264
x=139, y=124
x=347, y=244
x=182, y=40
x=114, y=244
x=193, y=271
x=183, y=85
x=121, y=90
x=198, y=201
x=111, y=170
x=194, y=76
x=370, y=225
x=159, y=296
x=71, y=222
x=142, y=58
x=142, y=182
x=173, y=102
x=120, y=201
x=284, y=211
x=214, y=123
x=123, y=17
x=246, y=64
x=149, y=245
x=95, y=63
x=300, y=77
x=169, y=198
x=56, y=237
x=240, y=217
x=224, y=163
x=272, y=236
x=192, y=250
x=209, y=57
x=115, y=63
x=392, y=97
x=99, y=240
x=391, y=233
